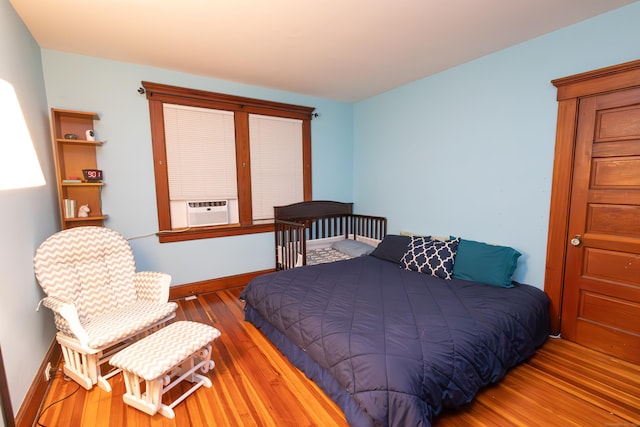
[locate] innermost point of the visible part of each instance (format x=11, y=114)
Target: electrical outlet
x=47, y=372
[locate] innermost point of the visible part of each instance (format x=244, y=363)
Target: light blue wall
x=469, y=151
x=27, y=216
x=110, y=89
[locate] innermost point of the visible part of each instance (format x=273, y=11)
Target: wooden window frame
x=159, y=94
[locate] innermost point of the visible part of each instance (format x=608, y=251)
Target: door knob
x=577, y=240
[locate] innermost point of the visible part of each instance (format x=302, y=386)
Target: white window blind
x=201, y=153
x=276, y=163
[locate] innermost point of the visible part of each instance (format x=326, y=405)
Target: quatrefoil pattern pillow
x=431, y=256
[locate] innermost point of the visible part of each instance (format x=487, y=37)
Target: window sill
x=213, y=232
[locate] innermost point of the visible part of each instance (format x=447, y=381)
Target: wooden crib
x=321, y=231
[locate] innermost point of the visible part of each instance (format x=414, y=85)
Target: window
x=222, y=162
x=276, y=163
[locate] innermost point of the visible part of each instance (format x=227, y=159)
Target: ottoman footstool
x=176, y=351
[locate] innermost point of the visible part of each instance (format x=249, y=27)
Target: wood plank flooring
x=254, y=385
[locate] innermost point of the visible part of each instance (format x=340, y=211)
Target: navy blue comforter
x=394, y=347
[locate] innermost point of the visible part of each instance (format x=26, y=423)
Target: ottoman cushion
x=154, y=355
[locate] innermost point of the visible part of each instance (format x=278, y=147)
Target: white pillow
x=352, y=247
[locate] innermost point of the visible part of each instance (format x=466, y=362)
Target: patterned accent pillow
x=431, y=256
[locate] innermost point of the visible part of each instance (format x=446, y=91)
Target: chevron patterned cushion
x=150, y=285
x=432, y=257
x=103, y=285
x=151, y=357
x=91, y=267
x=122, y=322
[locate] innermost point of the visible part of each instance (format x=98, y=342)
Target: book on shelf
x=69, y=208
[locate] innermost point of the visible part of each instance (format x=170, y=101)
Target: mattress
x=391, y=346
x=324, y=255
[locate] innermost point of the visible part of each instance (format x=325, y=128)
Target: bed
x=392, y=346
x=321, y=231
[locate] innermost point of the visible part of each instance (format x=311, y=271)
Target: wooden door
x=594, y=287
x=601, y=297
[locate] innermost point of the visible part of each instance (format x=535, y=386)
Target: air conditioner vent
x=207, y=212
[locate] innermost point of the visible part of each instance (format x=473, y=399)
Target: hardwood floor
x=254, y=385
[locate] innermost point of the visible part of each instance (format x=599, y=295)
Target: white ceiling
x=345, y=50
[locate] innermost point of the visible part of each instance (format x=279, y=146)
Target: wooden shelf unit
x=72, y=156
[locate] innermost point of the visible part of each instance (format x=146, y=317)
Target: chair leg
x=104, y=384
x=84, y=368
x=149, y=400
x=77, y=366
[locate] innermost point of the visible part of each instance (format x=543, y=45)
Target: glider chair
x=100, y=303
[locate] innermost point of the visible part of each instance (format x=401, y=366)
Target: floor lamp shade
x=19, y=166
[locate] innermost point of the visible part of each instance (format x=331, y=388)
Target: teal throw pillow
x=485, y=263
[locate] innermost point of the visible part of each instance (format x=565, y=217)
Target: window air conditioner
x=211, y=212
